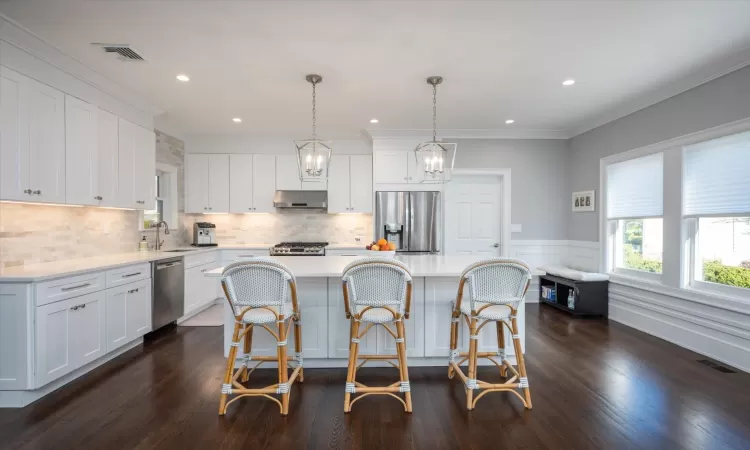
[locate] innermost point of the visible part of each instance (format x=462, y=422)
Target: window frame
x=169, y=195
x=615, y=253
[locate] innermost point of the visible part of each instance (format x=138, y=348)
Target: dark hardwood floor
x=594, y=385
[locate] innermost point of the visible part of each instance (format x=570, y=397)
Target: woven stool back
x=499, y=281
x=377, y=282
x=257, y=282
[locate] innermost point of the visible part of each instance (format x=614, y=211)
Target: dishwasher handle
x=168, y=265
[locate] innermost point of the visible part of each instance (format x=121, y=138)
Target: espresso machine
x=204, y=234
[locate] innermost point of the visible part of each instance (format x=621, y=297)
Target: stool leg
x=230, y=367
x=453, y=344
x=247, y=349
x=403, y=368
x=501, y=347
x=472, y=362
x=283, y=372
x=353, y=350
x=298, y=344
x=519, y=359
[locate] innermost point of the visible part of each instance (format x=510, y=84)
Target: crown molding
x=21, y=37
x=479, y=133
x=710, y=71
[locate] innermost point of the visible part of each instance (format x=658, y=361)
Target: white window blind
x=717, y=177
x=635, y=188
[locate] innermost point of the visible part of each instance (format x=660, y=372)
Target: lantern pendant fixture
x=435, y=158
x=313, y=154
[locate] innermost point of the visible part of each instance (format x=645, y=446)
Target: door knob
x=496, y=245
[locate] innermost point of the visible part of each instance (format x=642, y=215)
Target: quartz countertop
x=332, y=265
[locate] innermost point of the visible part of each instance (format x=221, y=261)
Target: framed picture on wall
x=584, y=201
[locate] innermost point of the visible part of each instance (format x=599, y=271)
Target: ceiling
x=500, y=60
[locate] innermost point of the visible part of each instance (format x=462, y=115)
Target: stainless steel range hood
x=301, y=199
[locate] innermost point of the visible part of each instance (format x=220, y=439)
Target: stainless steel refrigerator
x=411, y=220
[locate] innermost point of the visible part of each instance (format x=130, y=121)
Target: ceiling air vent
x=123, y=50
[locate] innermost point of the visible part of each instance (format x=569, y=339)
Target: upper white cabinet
x=32, y=142
x=252, y=183
x=396, y=167
x=81, y=152
x=126, y=154
x=287, y=176
x=144, y=167
x=207, y=181
x=350, y=184
x=107, y=143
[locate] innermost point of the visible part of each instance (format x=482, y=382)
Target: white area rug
x=211, y=317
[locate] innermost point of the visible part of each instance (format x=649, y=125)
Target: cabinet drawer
x=234, y=255
x=200, y=259
x=69, y=287
x=129, y=274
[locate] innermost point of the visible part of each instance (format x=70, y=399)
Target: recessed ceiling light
x=236, y=120
x=569, y=82
x=509, y=121
x=374, y=121
x=184, y=78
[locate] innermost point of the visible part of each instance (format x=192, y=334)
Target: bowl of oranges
x=381, y=248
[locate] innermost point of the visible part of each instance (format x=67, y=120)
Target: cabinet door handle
x=27, y=191
x=132, y=291
x=75, y=287
x=83, y=306
x=98, y=197
x=131, y=275
x=246, y=256
x=74, y=308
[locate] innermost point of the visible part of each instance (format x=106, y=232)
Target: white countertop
x=58, y=269
x=332, y=266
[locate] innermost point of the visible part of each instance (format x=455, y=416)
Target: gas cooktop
x=299, y=249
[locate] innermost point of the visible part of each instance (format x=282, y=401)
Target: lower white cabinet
x=128, y=313
x=69, y=334
x=200, y=290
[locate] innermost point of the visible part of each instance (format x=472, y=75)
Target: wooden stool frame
x=233, y=385
x=354, y=387
x=518, y=380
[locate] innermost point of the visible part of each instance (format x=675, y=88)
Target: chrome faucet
x=158, y=243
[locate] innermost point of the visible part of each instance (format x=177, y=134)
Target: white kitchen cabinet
x=69, y=334
x=339, y=325
x=287, y=176
x=128, y=313
x=252, y=183
x=32, y=141
x=145, y=167
x=107, y=158
x=414, y=326
x=200, y=290
x=439, y=295
x=81, y=152
x=16, y=319
x=392, y=166
x=312, y=295
x=207, y=183
x=126, y=156
x=350, y=184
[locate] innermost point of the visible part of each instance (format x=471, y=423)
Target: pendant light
x=435, y=158
x=313, y=154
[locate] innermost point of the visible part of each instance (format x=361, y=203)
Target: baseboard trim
x=328, y=363
x=20, y=399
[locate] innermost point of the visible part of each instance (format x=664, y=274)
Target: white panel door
x=218, y=183
x=360, y=187
x=138, y=314
x=264, y=183
x=53, y=346
x=391, y=166
x=196, y=183
x=338, y=185
x=14, y=134
x=313, y=302
x=414, y=326
x=107, y=131
x=287, y=173
x=241, y=178
x=338, y=325
x=81, y=152
x=472, y=216
x=145, y=167
x=126, y=161
x=116, y=317
x=88, y=328
x=46, y=137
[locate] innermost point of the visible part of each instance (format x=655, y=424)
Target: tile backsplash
x=286, y=226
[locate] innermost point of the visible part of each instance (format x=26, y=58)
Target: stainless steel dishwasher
x=168, y=300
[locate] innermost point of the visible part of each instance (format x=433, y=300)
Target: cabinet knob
x=253, y=208
x=406, y=178
x=98, y=197
x=410, y=178
x=27, y=191
x=209, y=208
x=37, y=192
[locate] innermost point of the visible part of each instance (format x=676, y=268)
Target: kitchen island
x=325, y=329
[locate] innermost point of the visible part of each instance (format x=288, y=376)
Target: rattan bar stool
x=495, y=289
x=262, y=294
x=377, y=292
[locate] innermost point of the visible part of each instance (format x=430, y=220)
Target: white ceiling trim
x=19, y=36
x=692, y=80
x=471, y=134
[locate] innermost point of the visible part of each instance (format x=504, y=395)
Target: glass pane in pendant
x=313, y=158
x=435, y=161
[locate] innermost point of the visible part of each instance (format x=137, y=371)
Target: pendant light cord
x=434, y=112
x=313, y=109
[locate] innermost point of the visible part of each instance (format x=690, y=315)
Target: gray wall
x=539, y=180
x=720, y=101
